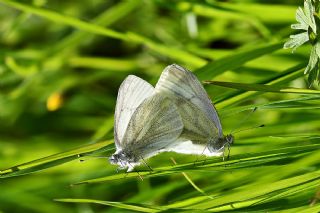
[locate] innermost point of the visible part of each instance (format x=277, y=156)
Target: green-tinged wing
x=176, y=81
x=198, y=131
x=197, y=126
x=155, y=124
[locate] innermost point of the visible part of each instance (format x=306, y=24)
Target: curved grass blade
x=237, y=97
x=262, y=87
x=243, y=198
x=217, y=10
x=71, y=21
x=217, y=67
x=303, y=209
x=192, y=183
x=104, y=19
x=308, y=102
x=53, y=160
x=174, y=53
x=240, y=161
x=121, y=205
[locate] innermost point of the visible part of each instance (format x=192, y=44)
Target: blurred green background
x=60, y=68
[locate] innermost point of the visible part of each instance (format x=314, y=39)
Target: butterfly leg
x=197, y=158
x=228, y=152
x=131, y=168
x=145, y=163
x=205, y=159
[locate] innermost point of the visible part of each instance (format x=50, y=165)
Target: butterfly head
x=121, y=158
x=218, y=146
x=229, y=139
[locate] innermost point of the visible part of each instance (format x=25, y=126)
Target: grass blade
x=262, y=87
x=217, y=67
x=121, y=205
x=53, y=160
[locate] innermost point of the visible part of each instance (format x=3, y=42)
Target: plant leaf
x=217, y=67
x=53, y=160
x=240, y=161
x=309, y=11
x=121, y=205
x=262, y=87
x=296, y=41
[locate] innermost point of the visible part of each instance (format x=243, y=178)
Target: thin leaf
x=296, y=41
x=237, y=97
x=121, y=205
x=301, y=18
x=237, y=162
x=176, y=54
x=216, y=68
x=309, y=11
x=262, y=87
x=312, y=61
x=53, y=160
x=245, y=195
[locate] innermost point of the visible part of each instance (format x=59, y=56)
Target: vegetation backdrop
x=60, y=68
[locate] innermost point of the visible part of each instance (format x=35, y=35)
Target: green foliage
x=308, y=22
x=62, y=63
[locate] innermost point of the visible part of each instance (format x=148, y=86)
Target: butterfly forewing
x=176, y=81
x=132, y=92
x=155, y=125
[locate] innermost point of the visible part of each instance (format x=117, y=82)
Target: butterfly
x=202, y=133
x=145, y=123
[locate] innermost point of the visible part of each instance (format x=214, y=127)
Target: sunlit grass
x=61, y=66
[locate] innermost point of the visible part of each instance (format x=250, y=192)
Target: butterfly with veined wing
x=202, y=132
x=177, y=115
x=145, y=123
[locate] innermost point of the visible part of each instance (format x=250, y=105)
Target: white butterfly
x=202, y=133
x=145, y=123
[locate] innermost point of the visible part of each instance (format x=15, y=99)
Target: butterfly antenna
x=244, y=120
x=254, y=127
x=81, y=156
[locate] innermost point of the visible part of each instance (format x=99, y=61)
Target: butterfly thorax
x=218, y=145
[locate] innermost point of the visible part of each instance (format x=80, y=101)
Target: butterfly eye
x=230, y=139
x=113, y=159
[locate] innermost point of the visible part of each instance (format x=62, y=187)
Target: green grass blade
x=174, y=53
x=51, y=161
x=219, y=66
x=121, y=205
x=232, y=199
x=262, y=87
x=59, y=18
x=105, y=19
x=240, y=161
x=279, y=79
